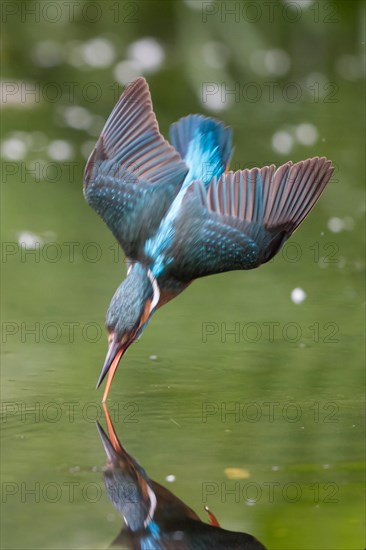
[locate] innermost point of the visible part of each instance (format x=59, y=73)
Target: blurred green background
x=287, y=76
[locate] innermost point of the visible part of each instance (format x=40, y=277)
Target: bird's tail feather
x=205, y=145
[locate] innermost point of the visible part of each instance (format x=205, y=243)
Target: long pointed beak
x=112, y=445
x=115, y=352
x=108, y=447
x=113, y=438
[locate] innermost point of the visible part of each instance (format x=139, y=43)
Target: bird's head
x=129, y=311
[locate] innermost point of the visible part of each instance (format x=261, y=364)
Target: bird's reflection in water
x=153, y=517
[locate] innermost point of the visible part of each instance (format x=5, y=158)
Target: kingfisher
x=154, y=518
x=178, y=212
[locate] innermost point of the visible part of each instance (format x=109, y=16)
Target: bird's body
x=178, y=214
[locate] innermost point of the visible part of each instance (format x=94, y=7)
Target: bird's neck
x=145, y=280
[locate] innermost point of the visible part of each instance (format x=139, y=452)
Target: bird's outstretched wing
x=244, y=217
x=133, y=174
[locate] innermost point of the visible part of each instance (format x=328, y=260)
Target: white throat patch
x=156, y=295
x=153, y=503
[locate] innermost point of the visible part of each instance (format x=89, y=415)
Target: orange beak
x=111, y=431
x=115, y=352
x=111, y=443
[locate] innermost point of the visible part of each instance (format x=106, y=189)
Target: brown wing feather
x=131, y=138
x=270, y=197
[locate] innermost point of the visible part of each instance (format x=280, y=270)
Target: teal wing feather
x=244, y=217
x=133, y=174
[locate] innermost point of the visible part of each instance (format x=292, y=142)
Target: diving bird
x=179, y=214
x=154, y=518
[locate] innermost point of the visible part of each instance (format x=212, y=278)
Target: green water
x=232, y=374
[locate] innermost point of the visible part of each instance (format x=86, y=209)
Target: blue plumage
x=203, y=156
x=179, y=214
x=189, y=128
x=205, y=151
